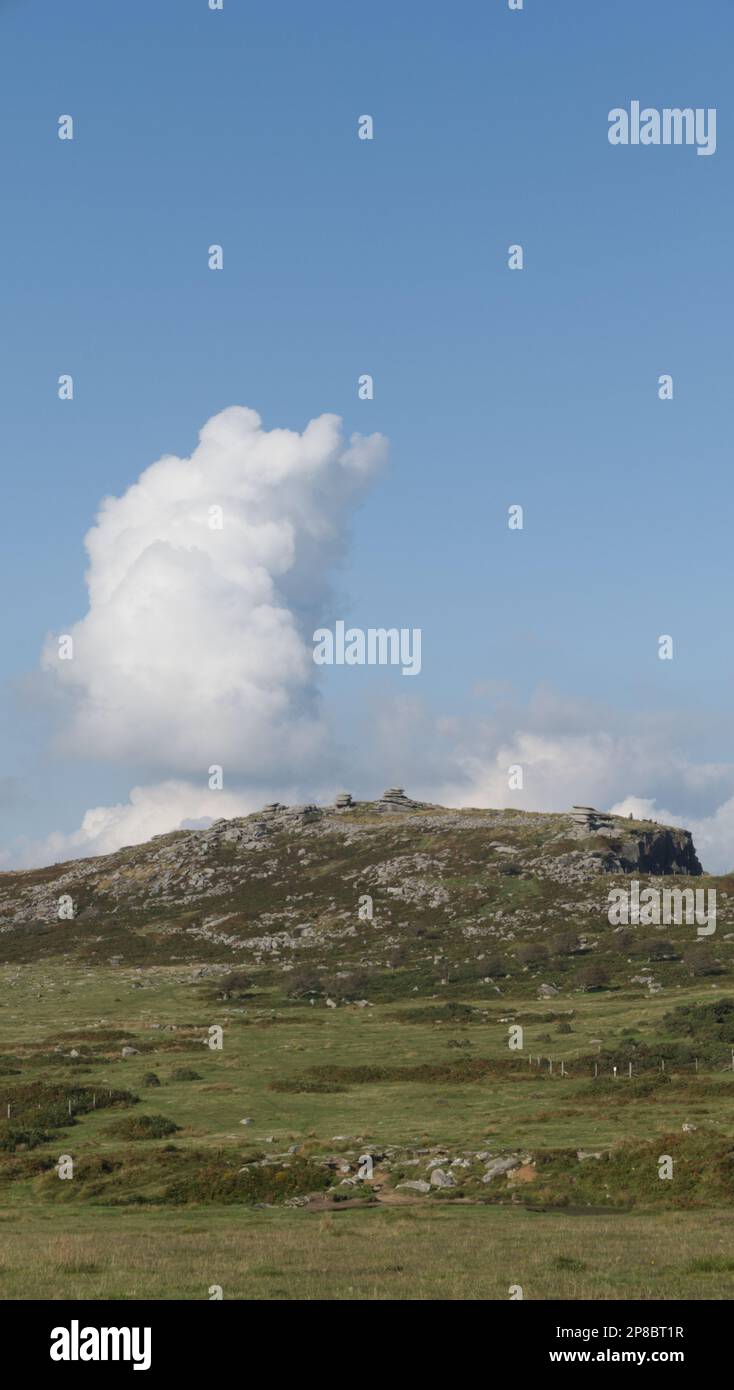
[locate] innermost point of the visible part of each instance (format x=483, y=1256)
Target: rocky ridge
x=185, y=867
x=286, y=880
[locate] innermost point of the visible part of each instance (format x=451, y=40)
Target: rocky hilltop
x=293, y=877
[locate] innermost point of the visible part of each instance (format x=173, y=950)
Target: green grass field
x=132, y=1221
x=412, y=1252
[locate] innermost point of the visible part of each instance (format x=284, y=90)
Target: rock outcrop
x=394, y=799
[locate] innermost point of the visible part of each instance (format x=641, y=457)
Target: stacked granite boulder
x=289, y=815
x=590, y=821
x=394, y=799
x=343, y=801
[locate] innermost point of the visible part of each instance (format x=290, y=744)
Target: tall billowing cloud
x=205, y=582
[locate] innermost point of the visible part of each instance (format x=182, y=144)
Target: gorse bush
x=234, y=985
x=217, y=1181
x=656, y=949
x=353, y=985
x=495, y=966
x=593, y=976
x=304, y=1086
x=304, y=981
x=532, y=953
x=701, y=960
x=144, y=1127
x=565, y=943
x=38, y=1109
x=707, y=1022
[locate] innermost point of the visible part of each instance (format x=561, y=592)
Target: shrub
x=185, y=1074
x=214, y=1181
x=496, y=966
x=38, y=1108
x=532, y=953
x=351, y=986
x=701, y=960
x=143, y=1127
x=302, y=981
x=593, y=976
x=150, y=1079
x=302, y=1086
x=565, y=943
x=709, y=1022
x=235, y=985
x=656, y=949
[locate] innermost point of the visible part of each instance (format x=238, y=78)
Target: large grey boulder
x=500, y=1166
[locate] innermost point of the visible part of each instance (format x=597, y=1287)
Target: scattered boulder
x=500, y=1166
x=441, y=1179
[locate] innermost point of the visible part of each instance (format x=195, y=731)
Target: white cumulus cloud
x=150, y=810
x=196, y=647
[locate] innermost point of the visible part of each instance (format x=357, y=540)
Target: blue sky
x=390, y=257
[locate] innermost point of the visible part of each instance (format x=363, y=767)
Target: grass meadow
x=104, y=1234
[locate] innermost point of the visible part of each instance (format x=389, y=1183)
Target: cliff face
x=602, y=843
x=660, y=851
x=657, y=850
